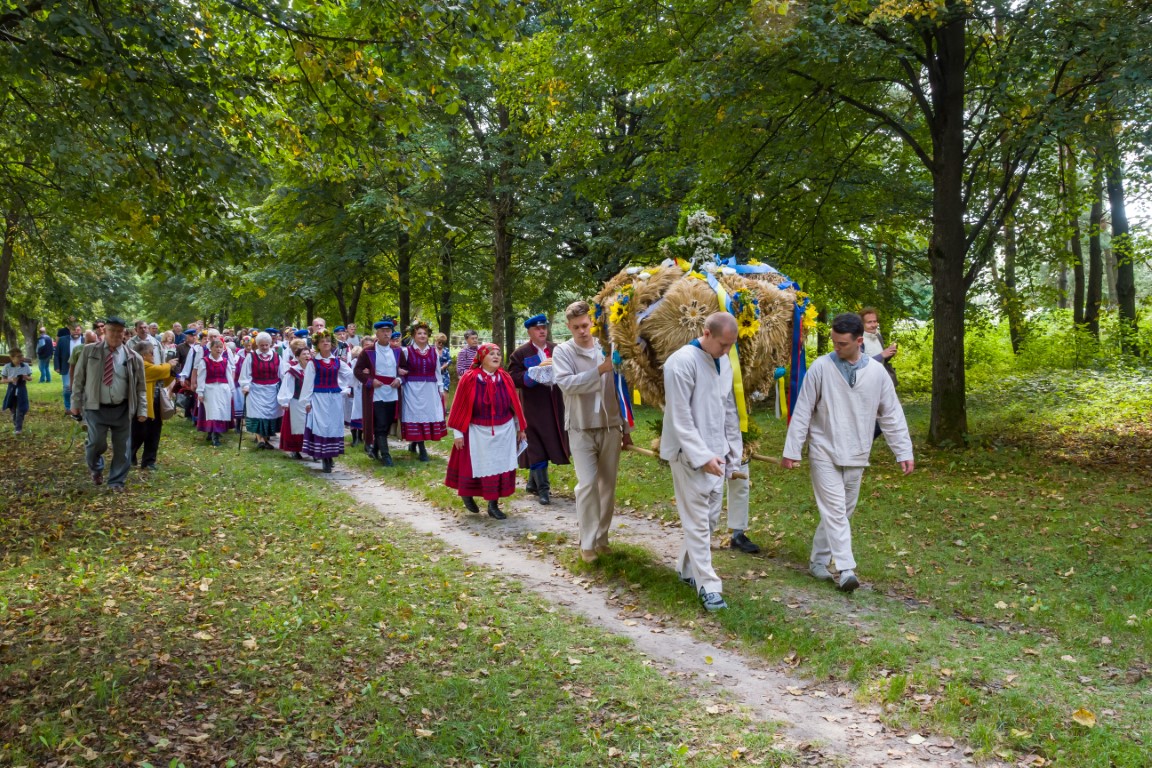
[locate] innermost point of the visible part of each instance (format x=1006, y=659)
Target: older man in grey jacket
x=108, y=389
x=596, y=428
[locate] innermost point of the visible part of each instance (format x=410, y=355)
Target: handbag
x=164, y=404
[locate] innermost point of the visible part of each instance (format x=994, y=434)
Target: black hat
x=115, y=321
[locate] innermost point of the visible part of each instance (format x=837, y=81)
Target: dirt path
x=822, y=723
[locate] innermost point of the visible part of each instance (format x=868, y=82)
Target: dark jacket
x=64, y=347
x=543, y=408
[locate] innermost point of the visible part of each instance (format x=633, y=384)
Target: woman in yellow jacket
x=146, y=433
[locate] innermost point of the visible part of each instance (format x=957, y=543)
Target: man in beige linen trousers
x=596, y=429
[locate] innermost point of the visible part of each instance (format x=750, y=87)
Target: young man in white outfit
x=701, y=442
x=597, y=431
x=844, y=396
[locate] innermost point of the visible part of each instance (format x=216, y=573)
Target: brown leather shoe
x=97, y=477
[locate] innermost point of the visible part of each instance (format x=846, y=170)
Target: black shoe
x=149, y=465
x=411, y=447
x=744, y=544
x=327, y=464
x=386, y=459
x=470, y=505
x=372, y=451
x=134, y=462
x=423, y=452
x=297, y=455
x=215, y=439
x=355, y=437
x=546, y=496
x=494, y=511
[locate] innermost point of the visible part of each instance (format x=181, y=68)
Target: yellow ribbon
x=734, y=358
x=782, y=396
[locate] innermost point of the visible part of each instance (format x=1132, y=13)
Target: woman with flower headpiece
x=488, y=426
x=422, y=403
x=326, y=381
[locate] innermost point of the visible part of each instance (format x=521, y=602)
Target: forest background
x=967, y=167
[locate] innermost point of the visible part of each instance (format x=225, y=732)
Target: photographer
x=146, y=433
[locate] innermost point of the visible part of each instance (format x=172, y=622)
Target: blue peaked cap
x=536, y=320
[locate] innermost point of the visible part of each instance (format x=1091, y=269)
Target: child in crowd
x=16, y=374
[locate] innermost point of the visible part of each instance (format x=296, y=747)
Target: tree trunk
x=354, y=304
x=502, y=203
x=7, y=254
x=1110, y=264
x=1062, y=286
x=1010, y=301
x=446, y=286
x=309, y=311
x=338, y=292
x=947, y=250
x=1122, y=247
x=404, y=272
x=1070, y=205
x=1095, y=255
x=29, y=327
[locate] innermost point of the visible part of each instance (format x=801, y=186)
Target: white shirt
x=385, y=366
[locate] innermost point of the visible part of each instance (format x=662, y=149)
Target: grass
x=1012, y=583
x=233, y=609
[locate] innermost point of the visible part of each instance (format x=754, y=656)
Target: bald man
x=701, y=442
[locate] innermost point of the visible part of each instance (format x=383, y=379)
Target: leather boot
x=423, y=451
x=385, y=457
x=355, y=437
x=495, y=512
x=543, y=487
x=470, y=504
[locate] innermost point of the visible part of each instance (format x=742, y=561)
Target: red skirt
x=288, y=441
x=491, y=488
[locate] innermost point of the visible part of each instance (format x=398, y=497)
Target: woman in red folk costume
x=488, y=425
x=422, y=402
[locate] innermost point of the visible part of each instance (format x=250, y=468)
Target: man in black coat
x=531, y=369
x=67, y=342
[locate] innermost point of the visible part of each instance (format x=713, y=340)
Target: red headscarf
x=461, y=414
x=483, y=351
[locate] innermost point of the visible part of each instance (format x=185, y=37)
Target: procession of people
x=304, y=390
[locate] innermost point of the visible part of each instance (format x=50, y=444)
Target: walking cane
x=243, y=418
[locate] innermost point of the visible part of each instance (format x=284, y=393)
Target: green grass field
x=231, y=608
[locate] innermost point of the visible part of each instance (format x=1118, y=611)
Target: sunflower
x=617, y=312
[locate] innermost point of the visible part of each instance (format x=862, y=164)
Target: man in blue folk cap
x=531, y=369
x=341, y=340
x=378, y=369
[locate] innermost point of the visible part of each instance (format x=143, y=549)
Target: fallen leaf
x=250, y=644
x=707, y=659
x=794, y=690
x=1084, y=718
x=202, y=635
x=912, y=638
x=574, y=662
x=423, y=733
x=915, y=739
x=713, y=710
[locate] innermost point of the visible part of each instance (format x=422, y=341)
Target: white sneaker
x=819, y=570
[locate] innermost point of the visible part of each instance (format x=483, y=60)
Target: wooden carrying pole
x=653, y=455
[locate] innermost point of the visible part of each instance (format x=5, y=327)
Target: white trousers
x=596, y=457
x=698, y=500
x=738, y=492
x=836, y=490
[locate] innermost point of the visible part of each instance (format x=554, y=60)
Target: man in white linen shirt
x=596, y=428
x=701, y=442
x=844, y=395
